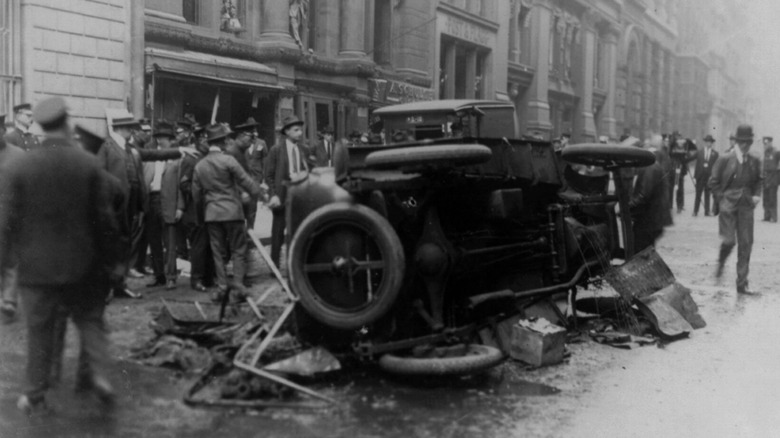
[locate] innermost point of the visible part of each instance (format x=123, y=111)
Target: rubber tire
x=485, y=358
x=607, y=155
x=387, y=241
x=435, y=155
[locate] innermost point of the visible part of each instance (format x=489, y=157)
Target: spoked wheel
x=347, y=265
x=457, y=360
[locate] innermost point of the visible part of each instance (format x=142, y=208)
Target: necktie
x=296, y=165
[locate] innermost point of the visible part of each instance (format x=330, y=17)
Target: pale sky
x=764, y=67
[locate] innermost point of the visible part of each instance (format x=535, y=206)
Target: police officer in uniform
x=21, y=135
x=771, y=179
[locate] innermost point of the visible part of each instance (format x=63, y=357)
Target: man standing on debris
x=648, y=202
x=57, y=219
x=217, y=183
x=285, y=160
x=771, y=179
x=736, y=181
x=705, y=159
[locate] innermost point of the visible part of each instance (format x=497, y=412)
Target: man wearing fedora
x=61, y=273
x=736, y=181
x=705, y=159
x=285, y=159
x=21, y=136
x=217, y=183
x=771, y=179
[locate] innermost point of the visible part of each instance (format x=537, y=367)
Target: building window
x=10, y=60
x=232, y=15
x=310, y=27
x=382, y=31
x=191, y=11
x=520, y=36
x=463, y=71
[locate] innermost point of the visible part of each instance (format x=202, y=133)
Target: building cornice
x=475, y=19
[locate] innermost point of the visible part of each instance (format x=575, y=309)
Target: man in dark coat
x=683, y=152
x=67, y=242
x=8, y=291
x=285, y=160
x=324, y=149
x=736, y=181
x=771, y=179
x=705, y=159
x=21, y=136
x=648, y=202
x=217, y=183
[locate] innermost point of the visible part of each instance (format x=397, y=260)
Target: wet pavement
x=720, y=382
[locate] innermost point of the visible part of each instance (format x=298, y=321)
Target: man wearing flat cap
x=286, y=159
x=8, y=292
x=217, y=183
x=705, y=159
x=21, y=135
x=250, y=155
x=57, y=220
x=736, y=182
x=771, y=179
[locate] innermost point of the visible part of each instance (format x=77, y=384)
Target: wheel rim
x=344, y=265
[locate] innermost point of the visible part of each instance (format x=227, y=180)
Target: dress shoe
x=170, y=285
x=158, y=281
x=133, y=273
x=198, y=286
x=127, y=293
x=746, y=291
x=33, y=408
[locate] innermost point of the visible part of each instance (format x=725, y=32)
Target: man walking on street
x=21, y=136
x=217, y=181
x=771, y=179
x=705, y=159
x=285, y=160
x=57, y=218
x=736, y=181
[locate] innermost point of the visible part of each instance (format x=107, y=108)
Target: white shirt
x=293, y=157
x=738, y=152
x=707, y=154
x=159, y=167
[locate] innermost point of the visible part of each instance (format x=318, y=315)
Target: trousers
x=154, y=234
x=702, y=189
x=171, y=245
x=770, y=202
x=46, y=309
x=228, y=240
x=201, y=257
x=277, y=235
x=735, y=224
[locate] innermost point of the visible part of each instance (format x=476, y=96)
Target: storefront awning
x=211, y=67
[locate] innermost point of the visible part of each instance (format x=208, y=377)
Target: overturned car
x=405, y=252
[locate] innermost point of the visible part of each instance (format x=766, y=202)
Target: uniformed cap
x=128, y=121
x=163, y=129
x=89, y=140
x=22, y=106
x=51, y=113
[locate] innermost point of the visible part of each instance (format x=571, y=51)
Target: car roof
x=439, y=106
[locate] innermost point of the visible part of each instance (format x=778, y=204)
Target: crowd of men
x=79, y=213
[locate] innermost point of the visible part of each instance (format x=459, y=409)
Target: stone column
x=608, y=120
x=536, y=105
x=137, y=59
x=275, y=23
x=449, y=71
x=353, y=29
x=585, y=125
x=471, y=73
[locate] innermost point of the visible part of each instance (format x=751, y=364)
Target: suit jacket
x=723, y=173
x=277, y=173
x=171, y=198
x=255, y=157
x=27, y=141
x=58, y=217
x=704, y=167
x=113, y=159
x=216, y=185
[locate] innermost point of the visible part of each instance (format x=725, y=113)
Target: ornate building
x=591, y=67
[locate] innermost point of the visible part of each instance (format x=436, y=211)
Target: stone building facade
x=74, y=49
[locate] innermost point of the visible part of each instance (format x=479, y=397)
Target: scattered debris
x=170, y=351
x=537, y=341
x=645, y=273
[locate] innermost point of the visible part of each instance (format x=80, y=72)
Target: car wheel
x=608, y=155
x=458, y=360
x=435, y=155
x=347, y=265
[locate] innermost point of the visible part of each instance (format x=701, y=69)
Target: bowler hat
x=744, y=133
x=51, y=113
x=328, y=130
x=164, y=129
x=249, y=125
x=128, y=121
x=89, y=140
x=22, y=106
x=290, y=121
x=708, y=139
x=216, y=132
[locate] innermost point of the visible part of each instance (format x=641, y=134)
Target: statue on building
x=299, y=10
x=229, y=17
